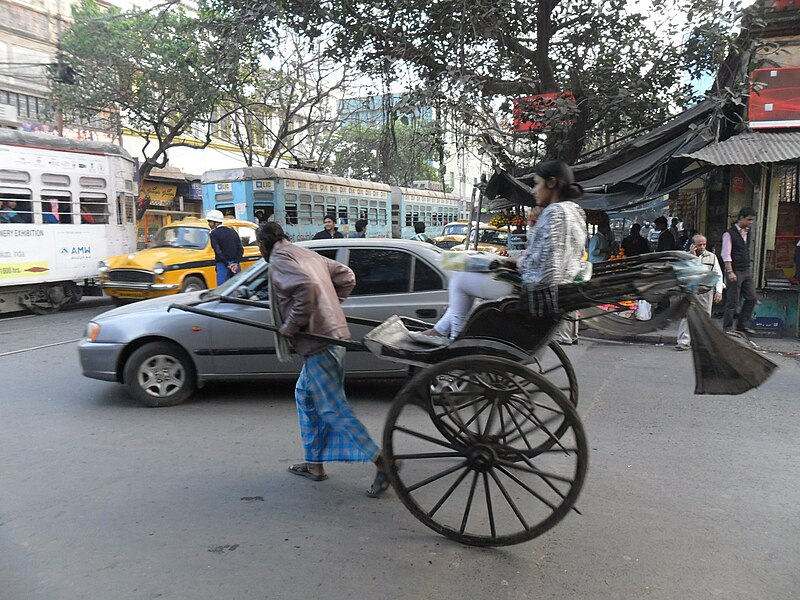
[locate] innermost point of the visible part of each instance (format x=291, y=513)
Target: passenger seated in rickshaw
x=553, y=255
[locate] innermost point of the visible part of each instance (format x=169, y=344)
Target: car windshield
x=251, y=283
x=181, y=237
x=455, y=229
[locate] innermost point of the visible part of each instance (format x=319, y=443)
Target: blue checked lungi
x=330, y=430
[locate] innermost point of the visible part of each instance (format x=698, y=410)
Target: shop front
x=762, y=169
x=172, y=196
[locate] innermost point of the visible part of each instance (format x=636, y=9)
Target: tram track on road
x=32, y=348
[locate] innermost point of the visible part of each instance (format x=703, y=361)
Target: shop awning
x=641, y=170
x=751, y=148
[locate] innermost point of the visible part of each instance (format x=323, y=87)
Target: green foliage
x=358, y=153
x=624, y=62
x=163, y=70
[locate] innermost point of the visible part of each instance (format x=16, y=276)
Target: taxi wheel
x=160, y=374
x=193, y=284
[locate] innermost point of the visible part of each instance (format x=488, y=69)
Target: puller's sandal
x=302, y=470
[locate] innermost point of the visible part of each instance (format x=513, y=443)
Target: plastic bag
x=643, y=310
x=469, y=260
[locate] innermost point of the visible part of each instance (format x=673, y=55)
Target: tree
x=357, y=148
x=285, y=108
x=623, y=64
x=165, y=71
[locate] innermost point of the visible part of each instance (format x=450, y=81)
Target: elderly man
x=307, y=290
x=711, y=297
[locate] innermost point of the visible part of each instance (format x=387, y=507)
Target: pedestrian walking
x=228, y=249
x=307, y=290
x=711, y=297
x=419, y=233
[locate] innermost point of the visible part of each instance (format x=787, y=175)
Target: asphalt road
x=686, y=497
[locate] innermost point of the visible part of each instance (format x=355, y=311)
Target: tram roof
x=14, y=137
x=249, y=173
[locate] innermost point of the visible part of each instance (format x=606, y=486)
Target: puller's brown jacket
x=310, y=290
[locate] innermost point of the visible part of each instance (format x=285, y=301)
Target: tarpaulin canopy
x=645, y=168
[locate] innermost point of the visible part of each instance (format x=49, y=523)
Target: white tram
x=64, y=206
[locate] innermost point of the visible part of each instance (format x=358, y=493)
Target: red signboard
x=542, y=111
x=774, y=98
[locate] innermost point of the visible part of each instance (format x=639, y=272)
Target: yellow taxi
x=454, y=235
x=180, y=259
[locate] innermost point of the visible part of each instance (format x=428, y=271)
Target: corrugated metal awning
x=751, y=148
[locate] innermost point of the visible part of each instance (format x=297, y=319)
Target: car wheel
x=160, y=374
x=193, y=284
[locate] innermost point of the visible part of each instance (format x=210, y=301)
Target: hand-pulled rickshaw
x=485, y=441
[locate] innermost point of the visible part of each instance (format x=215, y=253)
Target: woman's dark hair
x=567, y=188
x=269, y=233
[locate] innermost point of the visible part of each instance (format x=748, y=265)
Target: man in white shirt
x=739, y=276
x=711, y=297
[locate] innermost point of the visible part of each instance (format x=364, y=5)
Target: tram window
x=15, y=206
x=93, y=182
x=380, y=271
x=55, y=179
x=409, y=220
x=362, y=214
x=306, y=215
x=426, y=278
x=264, y=213
x=94, y=209
x=56, y=209
x=342, y=214
x=291, y=214
x=10, y=176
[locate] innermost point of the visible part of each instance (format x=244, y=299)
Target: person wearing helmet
x=228, y=249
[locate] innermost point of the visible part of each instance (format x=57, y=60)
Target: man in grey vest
x=738, y=272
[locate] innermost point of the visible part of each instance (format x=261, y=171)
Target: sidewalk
x=788, y=346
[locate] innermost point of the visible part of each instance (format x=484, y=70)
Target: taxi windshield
x=181, y=237
x=455, y=229
x=491, y=236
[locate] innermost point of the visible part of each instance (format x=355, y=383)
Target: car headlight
x=92, y=331
x=102, y=266
x=158, y=268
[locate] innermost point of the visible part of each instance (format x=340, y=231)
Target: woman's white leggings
x=464, y=289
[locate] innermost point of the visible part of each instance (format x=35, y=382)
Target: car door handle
x=426, y=313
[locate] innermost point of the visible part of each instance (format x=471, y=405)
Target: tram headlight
x=102, y=266
x=92, y=331
x=158, y=269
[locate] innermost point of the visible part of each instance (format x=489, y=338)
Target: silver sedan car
x=162, y=355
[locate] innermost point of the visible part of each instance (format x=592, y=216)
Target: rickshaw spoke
x=469, y=501
x=519, y=429
x=448, y=493
x=425, y=437
x=436, y=477
x=419, y=455
x=546, y=478
x=544, y=475
x=509, y=500
x=528, y=489
x=489, y=510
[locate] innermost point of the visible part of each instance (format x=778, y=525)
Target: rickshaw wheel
x=480, y=462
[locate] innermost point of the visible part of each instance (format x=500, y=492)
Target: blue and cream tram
x=299, y=200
